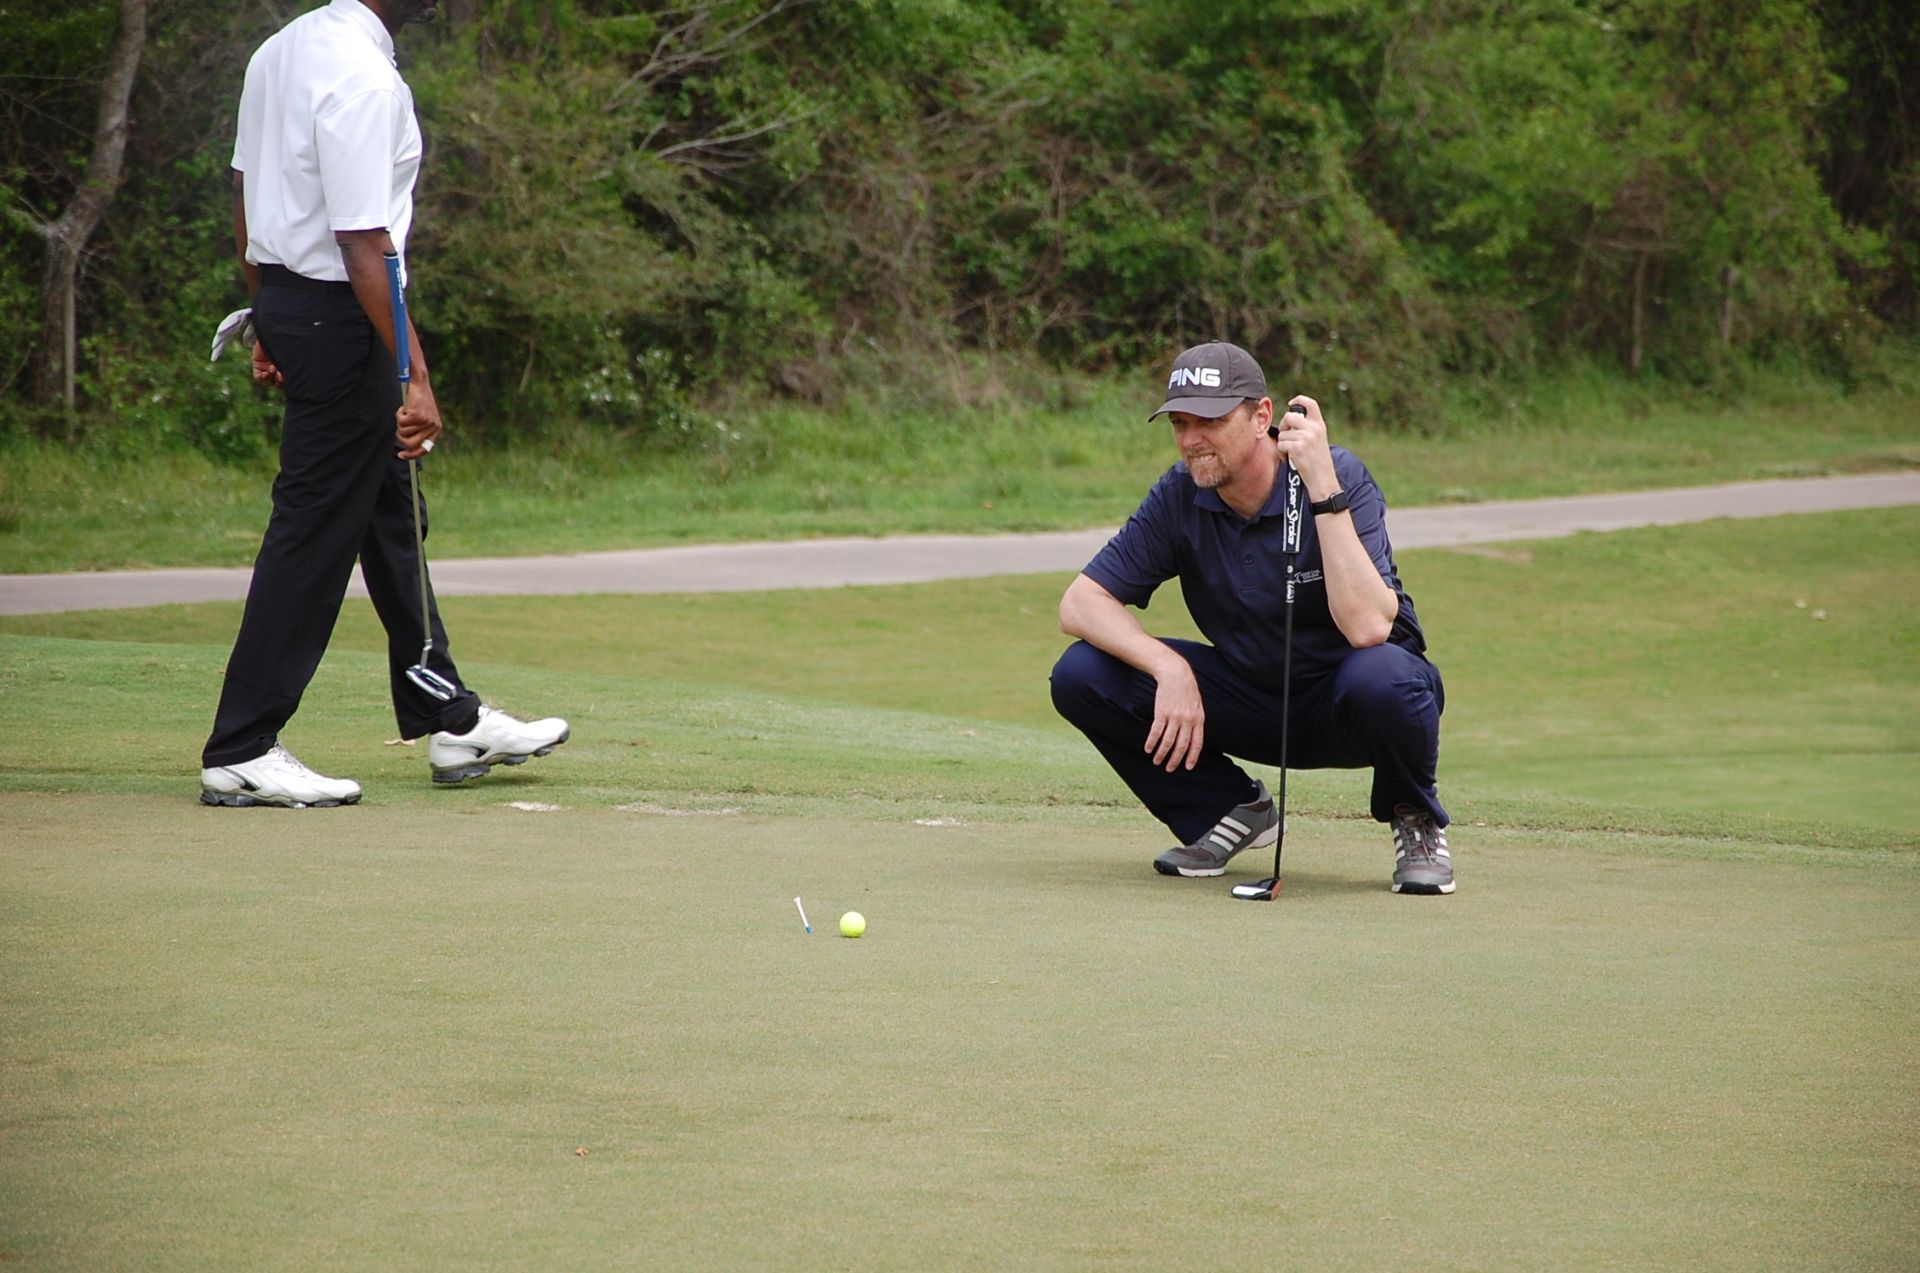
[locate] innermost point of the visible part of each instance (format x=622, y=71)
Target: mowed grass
x=1764, y=675
x=1670, y=1019
x=1082, y=457
x=485, y=1038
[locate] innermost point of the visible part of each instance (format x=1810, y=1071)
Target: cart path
x=832, y=563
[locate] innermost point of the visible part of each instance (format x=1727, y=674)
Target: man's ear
x=1263, y=418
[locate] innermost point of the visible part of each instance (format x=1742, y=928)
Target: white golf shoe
x=277, y=778
x=497, y=739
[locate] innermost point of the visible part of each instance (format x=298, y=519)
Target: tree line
x=630, y=209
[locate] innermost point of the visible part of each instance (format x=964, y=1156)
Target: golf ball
x=852, y=924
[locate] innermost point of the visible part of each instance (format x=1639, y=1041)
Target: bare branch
x=16, y=212
x=663, y=61
x=679, y=50
x=714, y=141
x=28, y=107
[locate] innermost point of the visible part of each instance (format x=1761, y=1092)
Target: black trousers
x=1379, y=710
x=340, y=495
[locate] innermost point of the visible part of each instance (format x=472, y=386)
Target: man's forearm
x=1091, y=613
x=247, y=268
x=364, y=252
x=1362, y=605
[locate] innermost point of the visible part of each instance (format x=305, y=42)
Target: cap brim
x=1205, y=408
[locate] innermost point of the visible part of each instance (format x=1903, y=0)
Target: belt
x=281, y=276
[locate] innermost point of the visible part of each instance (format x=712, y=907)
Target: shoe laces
x=490, y=713
x=1417, y=835
x=292, y=761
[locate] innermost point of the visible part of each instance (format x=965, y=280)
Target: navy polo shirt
x=1233, y=573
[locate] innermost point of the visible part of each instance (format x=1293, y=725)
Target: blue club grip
x=402, y=359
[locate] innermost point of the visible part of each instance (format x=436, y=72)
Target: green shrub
x=639, y=217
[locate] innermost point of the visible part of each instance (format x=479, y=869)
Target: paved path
x=829, y=563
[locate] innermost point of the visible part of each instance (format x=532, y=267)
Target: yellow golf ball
x=852, y=924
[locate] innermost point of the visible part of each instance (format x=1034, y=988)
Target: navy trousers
x=340, y=495
x=1380, y=709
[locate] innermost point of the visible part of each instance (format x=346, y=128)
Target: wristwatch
x=1334, y=503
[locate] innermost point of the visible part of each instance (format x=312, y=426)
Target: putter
x=1268, y=889
x=428, y=680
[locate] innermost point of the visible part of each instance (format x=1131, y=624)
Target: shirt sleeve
x=245, y=123
x=1143, y=555
x=354, y=141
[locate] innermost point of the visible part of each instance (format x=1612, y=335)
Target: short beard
x=1216, y=473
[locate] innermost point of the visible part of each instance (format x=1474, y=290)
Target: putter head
x=1259, y=891
x=433, y=683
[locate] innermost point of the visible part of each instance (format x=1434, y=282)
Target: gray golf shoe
x=1246, y=826
x=1421, y=863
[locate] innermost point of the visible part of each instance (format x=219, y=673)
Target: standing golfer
x=1167, y=714
x=324, y=166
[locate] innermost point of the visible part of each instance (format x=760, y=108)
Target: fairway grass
x=1671, y=1019
x=1753, y=679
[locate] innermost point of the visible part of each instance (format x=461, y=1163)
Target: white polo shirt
x=327, y=140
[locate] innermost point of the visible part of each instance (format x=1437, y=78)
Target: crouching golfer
x=1167, y=714
x=324, y=165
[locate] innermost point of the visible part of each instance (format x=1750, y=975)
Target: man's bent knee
x=1384, y=680
x=1084, y=676
x=1073, y=672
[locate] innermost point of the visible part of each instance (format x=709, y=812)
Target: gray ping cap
x=1212, y=379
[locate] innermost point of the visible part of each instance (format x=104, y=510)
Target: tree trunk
x=67, y=235
x=1728, y=277
x=1639, y=308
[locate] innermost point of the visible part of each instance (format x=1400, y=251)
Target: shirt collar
x=368, y=21
x=1207, y=498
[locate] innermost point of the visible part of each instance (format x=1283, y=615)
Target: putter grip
x=1273, y=430
x=402, y=358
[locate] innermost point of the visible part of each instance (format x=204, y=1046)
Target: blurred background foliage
x=634, y=215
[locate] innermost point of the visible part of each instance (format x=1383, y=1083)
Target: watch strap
x=1334, y=503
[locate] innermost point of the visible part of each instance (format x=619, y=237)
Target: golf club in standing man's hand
x=324, y=164
x=1313, y=659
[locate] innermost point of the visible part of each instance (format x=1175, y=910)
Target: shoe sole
x=1424, y=890
x=241, y=800
x=1261, y=841
x=480, y=768
x=1192, y=873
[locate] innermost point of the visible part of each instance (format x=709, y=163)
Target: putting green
x=436, y=1037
